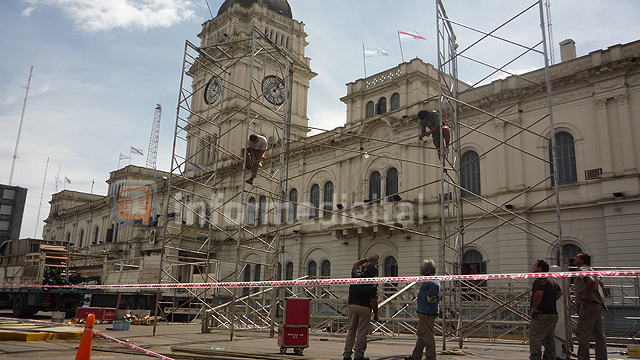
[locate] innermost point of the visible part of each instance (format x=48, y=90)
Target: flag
x=371, y=52
x=66, y=179
x=194, y=166
x=410, y=36
x=134, y=150
x=122, y=157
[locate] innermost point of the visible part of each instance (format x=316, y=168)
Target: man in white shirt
x=256, y=147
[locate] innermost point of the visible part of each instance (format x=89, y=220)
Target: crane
x=152, y=154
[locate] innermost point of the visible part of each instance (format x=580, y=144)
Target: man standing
x=590, y=302
x=256, y=147
x=428, y=310
x=544, y=315
x=362, y=299
x=431, y=120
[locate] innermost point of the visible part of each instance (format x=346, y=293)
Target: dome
x=279, y=6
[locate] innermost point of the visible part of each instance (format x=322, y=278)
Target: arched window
x=395, y=101
x=81, y=238
x=566, y=154
x=473, y=263
x=293, y=204
x=312, y=269
x=381, y=106
x=288, y=275
x=279, y=273
x=390, y=267
x=391, y=185
x=325, y=269
x=470, y=174
x=374, y=187
x=246, y=277
x=257, y=272
x=370, y=109
x=314, y=199
x=115, y=233
x=327, y=204
x=262, y=211
x=569, y=251
x=283, y=207
x=96, y=233
x=251, y=211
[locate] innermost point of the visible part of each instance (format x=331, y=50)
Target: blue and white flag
x=371, y=52
x=410, y=36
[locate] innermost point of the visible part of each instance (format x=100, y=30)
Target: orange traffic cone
x=84, y=350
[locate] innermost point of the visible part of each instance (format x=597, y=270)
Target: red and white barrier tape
x=350, y=281
x=96, y=332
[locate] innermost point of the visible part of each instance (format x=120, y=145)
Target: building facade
x=371, y=187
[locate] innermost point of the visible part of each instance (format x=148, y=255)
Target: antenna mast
x=152, y=154
x=547, y=5
x=24, y=105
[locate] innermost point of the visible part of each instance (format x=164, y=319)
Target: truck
x=39, y=262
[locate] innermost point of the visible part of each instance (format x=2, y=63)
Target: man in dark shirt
x=431, y=120
x=362, y=299
x=590, y=303
x=544, y=315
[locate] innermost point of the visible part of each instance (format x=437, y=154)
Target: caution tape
x=95, y=332
x=350, y=281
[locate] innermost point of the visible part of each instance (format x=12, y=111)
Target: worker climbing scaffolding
x=431, y=120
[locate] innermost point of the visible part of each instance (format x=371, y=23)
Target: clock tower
x=253, y=51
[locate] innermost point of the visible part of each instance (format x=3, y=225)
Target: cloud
x=27, y=12
x=102, y=15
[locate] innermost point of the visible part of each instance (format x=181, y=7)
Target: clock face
x=212, y=90
x=273, y=89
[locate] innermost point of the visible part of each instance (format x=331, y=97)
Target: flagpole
x=400, y=42
x=364, y=60
x=119, y=159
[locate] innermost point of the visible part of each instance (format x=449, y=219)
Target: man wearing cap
x=590, y=303
x=428, y=310
x=544, y=314
x=362, y=299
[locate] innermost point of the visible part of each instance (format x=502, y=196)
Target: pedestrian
x=431, y=120
x=363, y=298
x=544, y=314
x=256, y=147
x=428, y=310
x=590, y=303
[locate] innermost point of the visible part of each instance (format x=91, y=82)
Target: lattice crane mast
x=152, y=154
x=547, y=5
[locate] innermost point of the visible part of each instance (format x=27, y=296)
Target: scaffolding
x=206, y=161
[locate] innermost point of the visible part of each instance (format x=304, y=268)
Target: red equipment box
x=294, y=333
x=100, y=313
x=293, y=337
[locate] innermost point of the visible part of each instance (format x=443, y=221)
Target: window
x=293, y=204
x=370, y=109
x=470, y=174
x=251, y=211
x=391, y=185
x=395, y=101
x=381, y=106
x=374, y=187
x=283, y=208
x=262, y=211
x=246, y=277
x=68, y=238
x=256, y=272
x=474, y=264
x=314, y=198
x=279, y=274
x=566, y=154
x=390, y=270
x=312, y=269
x=81, y=238
x=95, y=237
x=289, y=271
x=328, y=198
x=569, y=251
x=325, y=269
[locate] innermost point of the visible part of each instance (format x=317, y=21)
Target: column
x=502, y=157
x=605, y=143
x=626, y=138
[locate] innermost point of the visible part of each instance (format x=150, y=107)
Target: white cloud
x=102, y=15
x=27, y=12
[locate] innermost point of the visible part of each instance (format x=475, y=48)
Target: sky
x=101, y=66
